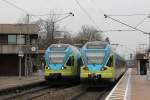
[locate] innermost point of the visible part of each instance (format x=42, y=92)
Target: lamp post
x=20, y=55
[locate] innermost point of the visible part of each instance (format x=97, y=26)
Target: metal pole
x=148, y=66
x=149, y=41
x=53, y=26
x=28, y=43
x=19, y=55
x=28, y=37
x=19, y=67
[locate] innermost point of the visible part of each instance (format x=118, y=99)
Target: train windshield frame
x=95, y=57
x=56, y=57
x=98, y=45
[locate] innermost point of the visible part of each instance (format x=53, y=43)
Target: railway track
x=30, y=93
x=14, y=91
x=40, y=94
x=92, y=93
x=60, y=92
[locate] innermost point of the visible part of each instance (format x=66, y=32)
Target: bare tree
x=88, y=33
x=47, y=31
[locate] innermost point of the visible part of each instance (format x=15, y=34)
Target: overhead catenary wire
x=130, y=14
x=25, y=11
x=117, y=30
x=19, y=8
x=138, y=14
x=48, y=14
x=140, y=22
x=101, y=11
x=106, y=16
x=84, y=10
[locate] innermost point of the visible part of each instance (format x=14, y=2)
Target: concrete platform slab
x=136, y=87
x=140, y=87
x=10, y=82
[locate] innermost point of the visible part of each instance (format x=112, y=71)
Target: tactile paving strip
x=122, y=88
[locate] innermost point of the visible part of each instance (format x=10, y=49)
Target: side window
x=12, y=39
x=80, y=62
x=20, y=39
x=70, y=61
x=3, y=39
x=110, y=62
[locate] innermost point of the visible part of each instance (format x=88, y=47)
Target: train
x=62, y=62
x=100, y=63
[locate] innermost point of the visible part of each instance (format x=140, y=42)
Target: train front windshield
x=56, y=57
x=95, y=57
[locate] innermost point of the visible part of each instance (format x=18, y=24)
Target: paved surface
x=131, y=87
x=137, y=86
x=121, y=89
x=140, y=87
x=9, y=82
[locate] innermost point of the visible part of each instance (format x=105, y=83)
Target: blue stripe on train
x=56, y=66
x=94, y=67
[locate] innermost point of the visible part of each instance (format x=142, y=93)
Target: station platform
x=131, y=87
x=14, y=81
x=140, y=87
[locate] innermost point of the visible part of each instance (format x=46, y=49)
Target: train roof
x=59, y=45
x=63, y=47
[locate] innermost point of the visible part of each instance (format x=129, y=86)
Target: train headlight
x=104, y=68
x=85, y=68
x=47, y=67
x=64, y=67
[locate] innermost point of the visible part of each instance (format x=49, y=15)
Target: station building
x=17, y=41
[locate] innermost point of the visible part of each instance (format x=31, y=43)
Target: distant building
x=17, y=40
x=141, y=61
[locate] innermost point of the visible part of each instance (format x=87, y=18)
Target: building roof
x=17, y=28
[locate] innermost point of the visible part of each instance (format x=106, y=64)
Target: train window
x=56, y=57
x=110, y=62
x=80, y=62
x=70, y=61
x=95, y=57
x=98, y=45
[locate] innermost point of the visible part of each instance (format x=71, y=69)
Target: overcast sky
x=95, y=9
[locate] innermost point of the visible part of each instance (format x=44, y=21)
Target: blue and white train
x=62, y=62
x=100, y=62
